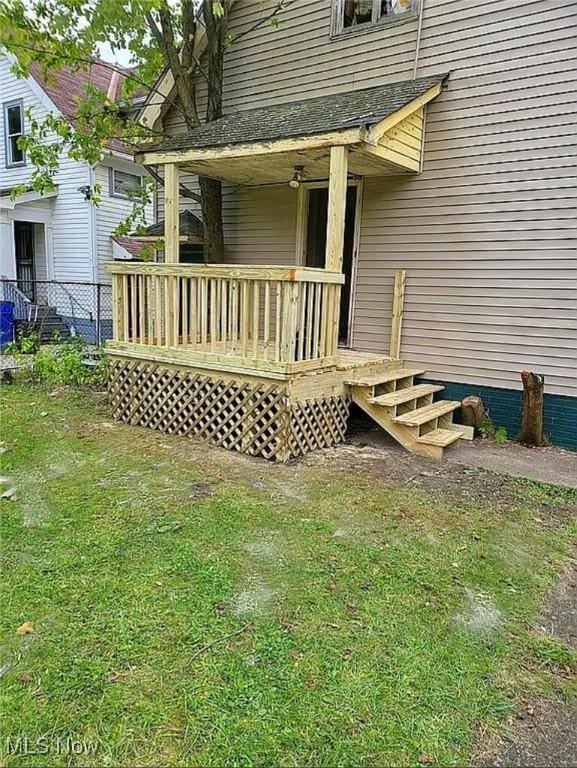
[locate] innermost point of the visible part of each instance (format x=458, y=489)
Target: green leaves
x=217, y=9
x=57, y=34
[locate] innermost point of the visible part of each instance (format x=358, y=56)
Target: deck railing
x=283, y=318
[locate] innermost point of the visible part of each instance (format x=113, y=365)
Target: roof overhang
x=9, y=203
x=159, y=238
x=393, y=145
x=189, y=225
x=162, y=93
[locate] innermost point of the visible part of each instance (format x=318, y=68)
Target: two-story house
x=433, y=140
x=61, y=239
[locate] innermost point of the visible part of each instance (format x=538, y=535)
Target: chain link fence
x=58, y=310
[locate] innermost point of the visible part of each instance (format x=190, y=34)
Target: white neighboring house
x=60, y=237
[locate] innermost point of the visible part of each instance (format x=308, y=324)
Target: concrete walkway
x=547, y=465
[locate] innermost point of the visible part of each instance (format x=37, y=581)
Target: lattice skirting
x=261, y=420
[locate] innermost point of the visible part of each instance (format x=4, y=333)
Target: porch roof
x=190, y=229
x=355, y=109
x=381, y=125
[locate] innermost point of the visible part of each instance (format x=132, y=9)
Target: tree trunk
x=532, y=418
x=211, y=189
x=473, y=412
x=211, y=204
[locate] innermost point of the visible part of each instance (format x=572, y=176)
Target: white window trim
x=338, y=29
x=10, y=163
x=111, y=190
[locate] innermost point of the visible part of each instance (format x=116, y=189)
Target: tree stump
x=473, y=413
x=532, y=417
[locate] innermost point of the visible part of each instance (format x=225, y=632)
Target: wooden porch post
x=171, y=213
x=336, y=208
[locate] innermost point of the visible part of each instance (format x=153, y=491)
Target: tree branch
x=126, y=74
x=282, y=5
x=184, y=190
x=164, y=36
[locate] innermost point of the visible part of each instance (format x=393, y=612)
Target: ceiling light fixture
x=295, y=182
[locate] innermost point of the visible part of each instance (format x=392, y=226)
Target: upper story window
x=360, y=14
x=124, y=184
x=13, y=129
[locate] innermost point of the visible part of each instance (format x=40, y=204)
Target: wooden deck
x=248, y=358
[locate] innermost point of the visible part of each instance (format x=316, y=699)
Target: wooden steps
x=440, y=437
x=422, y=416
x=401, y=396
x=406, y=410
x=385, y=378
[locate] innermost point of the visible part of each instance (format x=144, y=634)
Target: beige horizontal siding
x=488, y=232
x=260, y=225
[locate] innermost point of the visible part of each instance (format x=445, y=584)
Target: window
x=13, y=129
x=124, y=184
x=356, y=14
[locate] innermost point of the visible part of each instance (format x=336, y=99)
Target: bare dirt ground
x=546, y=465
x=546, y=738
x=461, y=476
x=545, y=734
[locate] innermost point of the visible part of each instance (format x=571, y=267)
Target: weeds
x=70, y=363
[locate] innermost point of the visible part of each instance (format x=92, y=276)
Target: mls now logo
x=22, y=745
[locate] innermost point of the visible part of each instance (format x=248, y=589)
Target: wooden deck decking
x=248, y=358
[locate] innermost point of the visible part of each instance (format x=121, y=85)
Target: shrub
x=26, y=344
x=72, y=362
x=501, y=435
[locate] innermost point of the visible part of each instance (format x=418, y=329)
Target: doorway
x=315, y=240
x=25, y=267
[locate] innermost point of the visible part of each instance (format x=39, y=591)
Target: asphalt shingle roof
x=189, y=224
x=133, y=247
x=67, y=87
x=362, y=107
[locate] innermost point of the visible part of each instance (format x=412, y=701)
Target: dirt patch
x=369, y=453
x=395, y=467
x=254, y=599
x=544, y=735
x=200, y=491
x=481, y=615
x=264, y=544
x=560, y=611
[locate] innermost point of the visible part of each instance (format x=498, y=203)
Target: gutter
x=418, y=45
x=92, y=239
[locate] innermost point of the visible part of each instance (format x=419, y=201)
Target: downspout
x=418, y=46
x=92, y=228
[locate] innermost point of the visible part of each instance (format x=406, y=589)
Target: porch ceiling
x=279, y=167
x=382, y=127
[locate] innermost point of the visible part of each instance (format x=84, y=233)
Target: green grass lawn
x=375, y=623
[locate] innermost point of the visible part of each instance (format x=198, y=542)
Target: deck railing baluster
x=267, y=316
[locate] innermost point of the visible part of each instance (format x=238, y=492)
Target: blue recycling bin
x=6, y=323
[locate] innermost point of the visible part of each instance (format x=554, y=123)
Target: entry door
x=316, y=240
x=24, y=242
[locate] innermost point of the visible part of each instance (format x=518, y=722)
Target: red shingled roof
x=68, y=86
x=133, y=247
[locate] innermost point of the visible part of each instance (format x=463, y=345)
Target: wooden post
x=171, y=213
x=117, y=311
x=336, y=208
x=397, y=321
x=289, y=321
